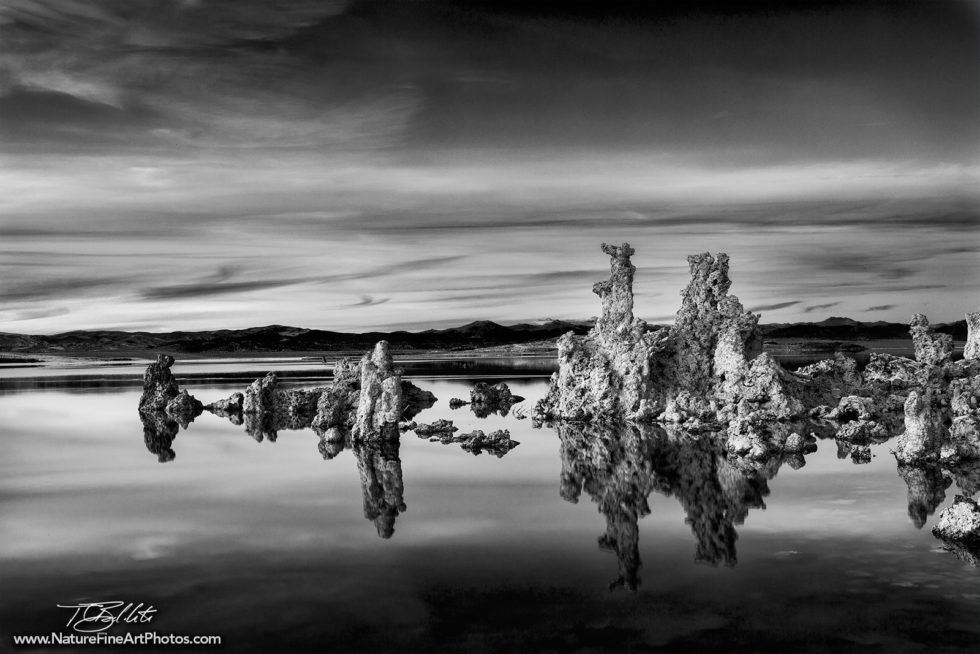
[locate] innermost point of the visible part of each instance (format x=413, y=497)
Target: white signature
x=92, y=617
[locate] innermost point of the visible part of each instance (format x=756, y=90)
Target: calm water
x=273, y=546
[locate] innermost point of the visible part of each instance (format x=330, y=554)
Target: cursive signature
x=92, y=617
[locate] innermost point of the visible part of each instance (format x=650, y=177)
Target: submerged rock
x=159, y=385
x=184, y=408
x=497, y=443
x=233, y=405
x=486, y=399
x=960, y=524
x=439, y=427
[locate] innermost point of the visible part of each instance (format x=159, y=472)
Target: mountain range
x=479, y=334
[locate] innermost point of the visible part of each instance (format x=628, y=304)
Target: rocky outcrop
x=486, y=399
x=232, y=405
x=924, y=431
x=159, y=385
x=959, y=526
x=438, y=428
x=379, y=407
x=707, y=367
x=930, y=348
x=476, y=442
x=608, y=371
x=497, y=443
x=184, y=408
x=972, y=348
x=268, y=407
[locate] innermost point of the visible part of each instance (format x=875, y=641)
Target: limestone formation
x=924, y=430
x=379, y=407
x=497, y=442
x=231, y=406
x=698, y=371
x=930, y=348
x=960, y=524
x=184, y=408
x=438, y=428
x=486, y=399
x=476, y=442
x=159, y=385
x=972, y=348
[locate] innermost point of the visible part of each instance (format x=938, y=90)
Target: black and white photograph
x=490, y=327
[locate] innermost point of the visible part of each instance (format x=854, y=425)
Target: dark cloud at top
x=460, y=159
x=756, y=80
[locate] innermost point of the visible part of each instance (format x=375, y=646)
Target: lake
x=579, y=539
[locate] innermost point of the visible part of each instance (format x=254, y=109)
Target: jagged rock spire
x=972, y=348
x=616, y=294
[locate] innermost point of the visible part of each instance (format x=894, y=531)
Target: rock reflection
x=382, y=483
x=927, y=490
x=619, y=465
x=159, y=432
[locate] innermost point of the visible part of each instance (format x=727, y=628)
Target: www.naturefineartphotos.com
x=475, y=326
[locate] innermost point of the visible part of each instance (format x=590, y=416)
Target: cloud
x=369, y=301
x=189, y=291
x=773, y=307
x=33, y=314
x=881, y=307
x=815, y=307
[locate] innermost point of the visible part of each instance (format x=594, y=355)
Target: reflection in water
x=159, y=431
x=927, y=490
x=382, y=483
x=619, y=465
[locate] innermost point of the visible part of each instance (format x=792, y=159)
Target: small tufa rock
x=228, y=407
x=184, y=408
x=486, y=399
x=924, y=429
x=972, y=348
x=439, y=427
x=930, y=348
x=159, y=385
x=497, y=443
x=960, y=523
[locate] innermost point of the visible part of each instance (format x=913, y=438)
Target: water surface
x=648, y=542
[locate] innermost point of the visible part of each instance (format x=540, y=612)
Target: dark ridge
x=481, y=333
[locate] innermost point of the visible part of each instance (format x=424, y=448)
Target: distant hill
x=480, y=334
x=280, y=338
x=846, y=329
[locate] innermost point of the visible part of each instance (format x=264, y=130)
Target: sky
x=359, y=165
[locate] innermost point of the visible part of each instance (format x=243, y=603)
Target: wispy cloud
x=773, y=307
x=816, y=307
